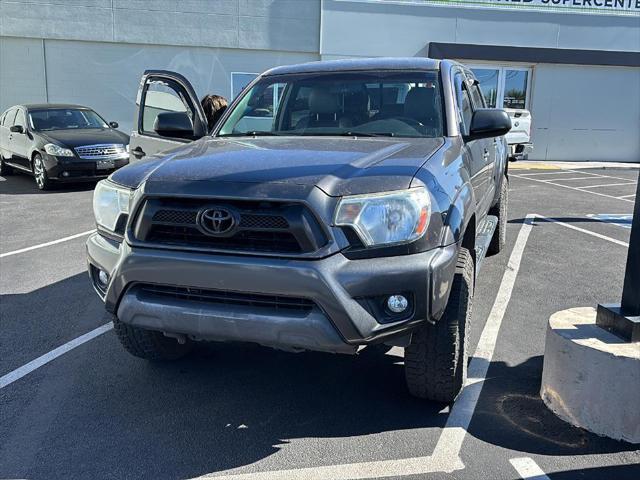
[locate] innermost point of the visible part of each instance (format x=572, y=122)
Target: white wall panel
x=586, y=113
x=105, y=76
x=21, y=71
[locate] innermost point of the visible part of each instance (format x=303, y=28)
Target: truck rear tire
x=435, y=363
x=500, y=210
x=149, y=344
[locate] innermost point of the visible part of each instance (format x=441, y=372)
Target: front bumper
x=72, y=169
x=339, y=322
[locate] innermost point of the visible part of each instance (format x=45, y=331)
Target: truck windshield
x=65, y=119
x=394, y=104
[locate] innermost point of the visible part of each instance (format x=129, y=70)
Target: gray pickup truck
x=336, y=205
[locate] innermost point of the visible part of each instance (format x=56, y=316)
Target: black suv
x=336, y=205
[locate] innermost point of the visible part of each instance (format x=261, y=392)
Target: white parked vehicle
x=519, y=138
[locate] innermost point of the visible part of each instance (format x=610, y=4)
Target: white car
x=519, y=138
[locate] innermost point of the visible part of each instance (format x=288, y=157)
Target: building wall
x=579, y=112
x=290, y=25
x=105, y=76
x=93, y=52
x=395, y=28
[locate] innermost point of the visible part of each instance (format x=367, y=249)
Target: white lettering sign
x=594, y=7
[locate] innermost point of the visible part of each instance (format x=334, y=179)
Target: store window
x=515, y=88
x=504, y=87
x=239, y=81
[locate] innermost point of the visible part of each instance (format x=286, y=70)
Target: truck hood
x=338, y=166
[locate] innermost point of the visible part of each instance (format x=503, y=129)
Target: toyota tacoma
x=337, y=205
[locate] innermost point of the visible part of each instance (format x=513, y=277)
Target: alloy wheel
x=38, y=172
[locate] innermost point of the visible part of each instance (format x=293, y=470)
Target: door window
x=504, y=87
x=488, y=78
x=20, y=119
x=162, y=96
x=465, y=110
x=476, y=95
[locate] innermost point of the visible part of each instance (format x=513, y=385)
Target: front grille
x=101, y=152
x=269, y=242
x=261, y=226
x=222, y=297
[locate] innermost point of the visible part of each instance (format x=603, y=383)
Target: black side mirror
x=488, y=122
x=173, y=124
x=16, y=129
x=113, y=124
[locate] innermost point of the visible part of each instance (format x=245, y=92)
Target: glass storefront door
x=504, y=87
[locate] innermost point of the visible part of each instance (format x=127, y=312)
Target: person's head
x=213, y=106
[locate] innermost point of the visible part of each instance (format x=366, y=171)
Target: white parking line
x=578, y=229
x=572, y=188
x=608, y=185
x=47, y=244
x=528, y=469
x=628, y=196
x=26, y=369
x=446, y=455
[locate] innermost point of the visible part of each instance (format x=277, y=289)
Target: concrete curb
x=591, y=378
x=574, y=165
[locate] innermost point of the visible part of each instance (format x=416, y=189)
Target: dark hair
x=213, y=106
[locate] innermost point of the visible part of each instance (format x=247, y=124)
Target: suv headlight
x=110, y=202
x=386, y=218
x=57, y=150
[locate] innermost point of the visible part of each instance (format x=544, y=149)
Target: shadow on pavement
x=23, y=184
x=97, y=412
x=511, y=414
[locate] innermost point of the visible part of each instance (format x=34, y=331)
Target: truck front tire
x=435, y=363
x=149, y=344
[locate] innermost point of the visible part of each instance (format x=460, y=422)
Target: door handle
x=138, y=152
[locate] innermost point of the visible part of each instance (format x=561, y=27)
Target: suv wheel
x=149, y=344
x=500, y=210
x=40, y=173
x=4, y=168
x=435, y=363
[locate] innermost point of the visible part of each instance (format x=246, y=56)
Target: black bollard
x=624, y=319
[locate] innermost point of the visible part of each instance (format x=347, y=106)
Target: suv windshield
x=397, y=104
x=65, y=119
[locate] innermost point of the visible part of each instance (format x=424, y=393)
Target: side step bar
x=483, y=239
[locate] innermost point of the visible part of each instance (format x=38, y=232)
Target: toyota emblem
x=216, y=221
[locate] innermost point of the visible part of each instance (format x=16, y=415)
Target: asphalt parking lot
x=247, y=412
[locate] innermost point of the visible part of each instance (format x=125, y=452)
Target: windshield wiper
x=345, y=134
x=368, y=134
x=255, y=133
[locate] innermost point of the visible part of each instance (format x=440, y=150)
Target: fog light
x=397, y=303
x=103, y=278
x=65, y=174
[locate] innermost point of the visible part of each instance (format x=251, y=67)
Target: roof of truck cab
x=358, y=64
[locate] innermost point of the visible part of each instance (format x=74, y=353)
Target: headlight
x=109, y=203
x=126, y=147
x=57, y=150
x=386, y=218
